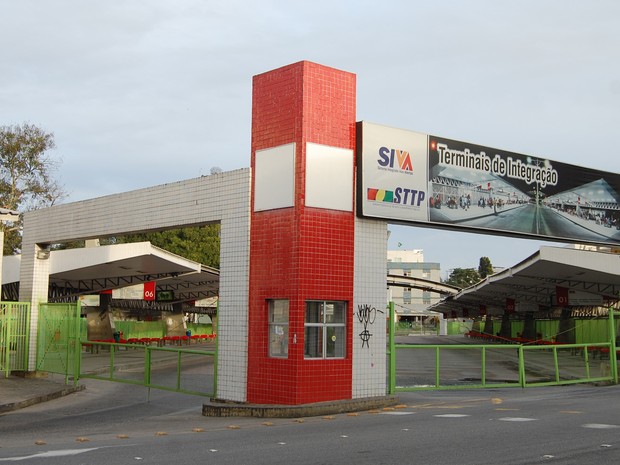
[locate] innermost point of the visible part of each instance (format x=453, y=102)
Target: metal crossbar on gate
x=137, y=363
x=444, y=366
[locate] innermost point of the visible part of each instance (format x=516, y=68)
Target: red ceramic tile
x=300, y=253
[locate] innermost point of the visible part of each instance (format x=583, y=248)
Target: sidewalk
x=18, y=392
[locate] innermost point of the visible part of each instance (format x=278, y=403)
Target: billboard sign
x=410, y=177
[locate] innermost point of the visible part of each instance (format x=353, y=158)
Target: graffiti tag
x=366, y=315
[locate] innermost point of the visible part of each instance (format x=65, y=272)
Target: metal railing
x=195, y=370
x=461, y=366
x=559, y=373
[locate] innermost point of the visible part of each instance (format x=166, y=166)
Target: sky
x=145, y=92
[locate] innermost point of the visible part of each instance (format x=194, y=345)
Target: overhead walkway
x=421, y=284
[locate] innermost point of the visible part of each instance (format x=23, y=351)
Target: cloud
x=146, y=92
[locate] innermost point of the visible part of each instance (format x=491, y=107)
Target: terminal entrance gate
x=186, y=366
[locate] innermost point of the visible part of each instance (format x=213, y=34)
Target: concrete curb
x=37, y=399
x=216, y=408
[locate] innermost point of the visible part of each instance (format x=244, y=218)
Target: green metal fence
x=567, y=364
x=61, y=349
x=14, y=336
x=500, y=365
x=195, y=370
x=58, y=338
x=460, y=366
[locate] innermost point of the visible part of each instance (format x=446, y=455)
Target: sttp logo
x=400, y=195
x=395, y=159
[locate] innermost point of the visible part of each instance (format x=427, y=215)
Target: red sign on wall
x=562, y=296
x=510, y=305
x=149, y=290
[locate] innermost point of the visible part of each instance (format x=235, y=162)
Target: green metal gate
x=14, y=331
x=60, y=351
x=58, y=342
x=538, y=365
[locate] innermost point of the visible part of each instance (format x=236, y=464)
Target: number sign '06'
x=144, y=291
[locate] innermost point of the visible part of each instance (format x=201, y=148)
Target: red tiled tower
x=301, y=248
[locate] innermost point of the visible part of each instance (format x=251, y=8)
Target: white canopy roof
x=94, y=269
x=592, y=278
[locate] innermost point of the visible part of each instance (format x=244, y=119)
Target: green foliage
x=484, y=267
x=463, y=277
x=199, y=243
x=26, y=181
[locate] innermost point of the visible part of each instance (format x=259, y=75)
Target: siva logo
x=395, y=159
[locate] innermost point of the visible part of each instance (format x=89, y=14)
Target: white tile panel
x=370, y=301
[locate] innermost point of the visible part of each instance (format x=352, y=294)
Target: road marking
x=516, y=419
x=452, y=407
x=599, y=426
x=396, y=413
x=451, y=415
x=52, y=453
x=60, y=453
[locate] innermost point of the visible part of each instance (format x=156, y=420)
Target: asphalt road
x=114, y=423
x=534, y=219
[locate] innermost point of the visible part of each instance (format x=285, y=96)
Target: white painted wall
x=369, y=358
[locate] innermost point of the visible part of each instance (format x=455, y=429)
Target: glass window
x=407, y=296
x=325, y=329
x=278, y=328
x=314, y=312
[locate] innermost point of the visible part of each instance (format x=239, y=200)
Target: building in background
x=411, y=304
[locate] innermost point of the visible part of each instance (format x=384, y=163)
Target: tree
x=26, y=181
x=200, y=243
x=463, y=277
x=484, y=267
